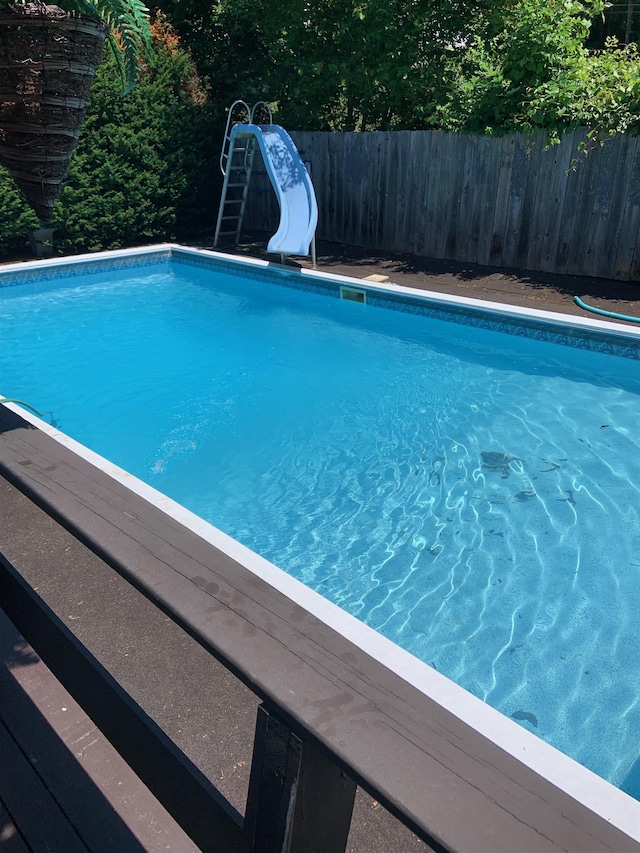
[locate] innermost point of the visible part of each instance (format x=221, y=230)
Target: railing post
x=299, y=800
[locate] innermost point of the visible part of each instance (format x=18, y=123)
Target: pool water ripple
x=474, y=496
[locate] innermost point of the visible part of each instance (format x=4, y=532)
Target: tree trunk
x=48, y=58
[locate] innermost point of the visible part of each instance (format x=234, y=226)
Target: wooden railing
x=349, y=721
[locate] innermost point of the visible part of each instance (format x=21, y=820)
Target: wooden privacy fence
x=506, y=202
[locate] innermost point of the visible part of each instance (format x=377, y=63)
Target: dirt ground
x=547, y=291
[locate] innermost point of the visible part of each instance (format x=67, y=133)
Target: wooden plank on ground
x=453, y=785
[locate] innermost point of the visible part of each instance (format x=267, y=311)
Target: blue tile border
x=72, y=270
x=273, y=275
x=596, y=340
x=531, y=327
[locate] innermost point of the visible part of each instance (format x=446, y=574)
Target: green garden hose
x=626, y=317
x=30, y=407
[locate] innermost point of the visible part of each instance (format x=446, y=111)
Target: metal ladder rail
x=233, y=180
x=249, y=154
x=227, y=167
x=226, y=144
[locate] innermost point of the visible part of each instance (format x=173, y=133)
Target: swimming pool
x=464, y=481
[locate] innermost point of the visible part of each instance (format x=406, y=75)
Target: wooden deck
x=459, y=791
x=63, y=787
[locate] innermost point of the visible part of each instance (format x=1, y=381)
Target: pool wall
x=596, y=794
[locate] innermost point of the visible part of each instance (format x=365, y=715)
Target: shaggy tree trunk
x=47, y=62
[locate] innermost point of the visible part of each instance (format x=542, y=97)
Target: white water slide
x=290, y=180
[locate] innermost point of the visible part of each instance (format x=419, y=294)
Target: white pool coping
x=594, y=792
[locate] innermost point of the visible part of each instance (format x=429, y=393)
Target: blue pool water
x=471, y=494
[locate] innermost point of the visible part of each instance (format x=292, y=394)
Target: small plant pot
x=42, y=242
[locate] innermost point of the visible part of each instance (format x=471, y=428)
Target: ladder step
x=228, y=233
x=233, y=201
x=226, y=218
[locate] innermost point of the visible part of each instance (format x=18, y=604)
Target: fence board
x=601, y=205
x=462, y=192
x=427, y=245
x=555, y=202
x=585, y=210
x=629, y=238
x=507, y=146
x=421, y=163
x=619, y=192
x=535, y=156
x=404, y=189
x=452, y=187
x=537, y=215
x=507, y=202
x=517, y=189
x=567, y=237
x=485, y=203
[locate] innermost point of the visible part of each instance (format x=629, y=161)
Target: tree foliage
x=487, y=66
x=537, y=74
x=333, y=64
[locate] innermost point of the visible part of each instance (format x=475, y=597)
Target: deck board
x=32, y=806
x=63, y=786
x=454, y=785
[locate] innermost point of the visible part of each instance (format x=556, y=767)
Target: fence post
x=299, y=800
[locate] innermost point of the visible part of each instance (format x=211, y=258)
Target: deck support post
x=299, y=800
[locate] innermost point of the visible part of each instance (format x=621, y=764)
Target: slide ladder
x=288, y=175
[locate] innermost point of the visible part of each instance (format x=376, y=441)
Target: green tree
x=487, y=66
x=143, y=169
x=332, y=64
x=537, y=73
